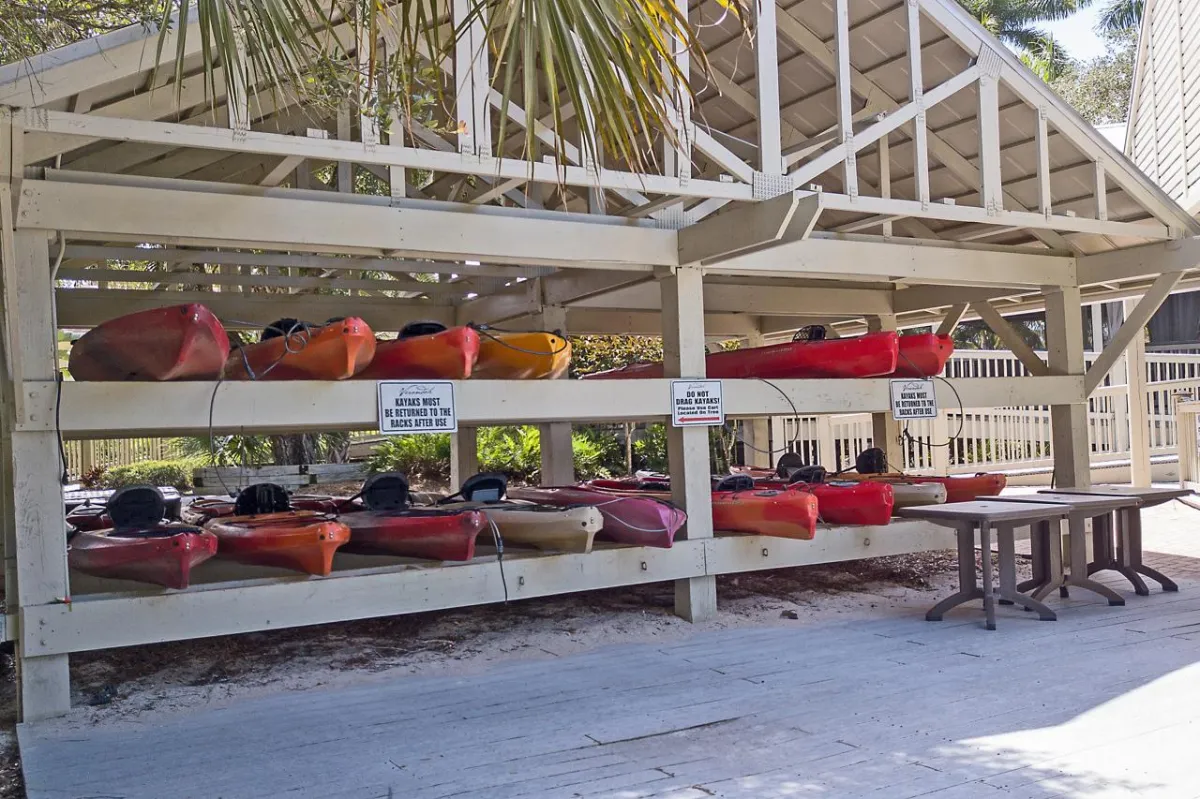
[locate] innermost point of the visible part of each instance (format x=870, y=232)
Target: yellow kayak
x=521, y=356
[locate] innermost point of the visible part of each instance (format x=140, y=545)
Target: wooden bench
x=984, y=515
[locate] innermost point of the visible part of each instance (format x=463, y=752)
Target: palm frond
x=1121, y=15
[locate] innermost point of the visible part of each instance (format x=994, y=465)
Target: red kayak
x=141, y=546
x=290, y=350
x=747, y=509
x=205, y=509
x=842, y=502
x=442, y=355
x=182, y=342
x=415, y=532
x=959, y=488
x=638, y=521
x=923, y=355
x=871, y=355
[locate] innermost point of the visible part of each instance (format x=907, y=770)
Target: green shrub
x=515, y=451
x=650, y=449
x=177, y=473
x=425, y=456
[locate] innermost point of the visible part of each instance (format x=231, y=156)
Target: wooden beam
x=1068, y=419
x=1147, y=260
x=789, y=217
x=1008, y=334
x=766, y=78
x=953, y=316
x=1135, y=322
x=845, y=105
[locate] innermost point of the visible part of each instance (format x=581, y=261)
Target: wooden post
x=940, y=451
x=558, y=458
x=758, y=430
x=687, y=447
x=464, y=455
x=43, y=683
x=87, y=456
x=1139, y=444
x=885, y=431
x=1069, y=434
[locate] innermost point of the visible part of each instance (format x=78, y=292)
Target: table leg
x=968, y=587
x=1133, y=555
x=1079, y=563
x=1052, y=532
x=1006, y=543
x=989, y=599
x=1102, y=544
x=1039, y=549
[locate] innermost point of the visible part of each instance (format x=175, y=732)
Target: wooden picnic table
x=1122, y=551
x=984, y=515
x=1047, y=546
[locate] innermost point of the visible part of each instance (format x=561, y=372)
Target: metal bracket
x=766, y=186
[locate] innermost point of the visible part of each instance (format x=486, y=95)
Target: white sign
x=913, y=399
x=696, y=402
x=407, y=408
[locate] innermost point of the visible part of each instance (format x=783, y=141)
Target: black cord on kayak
x=962, y=415
x=498, y=540
x=65, y=477
x=769, y=451
x=485, y=330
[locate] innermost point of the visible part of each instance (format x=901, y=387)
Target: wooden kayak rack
x=945, y=182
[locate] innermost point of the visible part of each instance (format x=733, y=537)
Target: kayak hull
x=844, y=503
x=166, y=557
x=205, y=509
x=538, y=526
x=959, y=488
x=637, y=521
x=522, y=356
x=334, y=352
x=448, y=355
x=923, y=355
x=303, y=541
x=414, y=533
x=772, y=512
x=181, y=342
x=871, y=355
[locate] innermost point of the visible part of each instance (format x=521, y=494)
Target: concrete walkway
x=1104, y=702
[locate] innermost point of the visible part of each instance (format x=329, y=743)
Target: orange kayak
x=781, y=513
x=959, y=488
x=522, y=356
x=445, y=355
x=335, y=351
x=302, y=541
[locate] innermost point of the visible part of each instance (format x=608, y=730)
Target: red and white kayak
x=180, y=342
x=444, y=355
x=871, y=355
x=923, y=355
x=959, y=488
x=840, y=502
x=754, y=511
x=635, y=520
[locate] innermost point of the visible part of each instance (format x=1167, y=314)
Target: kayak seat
x=871, y=461
x=810, y=333
x=262, y=498
x=386, y=491
x=136, y=506
x=788, y=462
x=735, y=482
x=484, y=487
x=414, y=329
x=808, y=474
x=282, y=327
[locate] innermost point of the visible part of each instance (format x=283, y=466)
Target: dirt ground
x=114, y=686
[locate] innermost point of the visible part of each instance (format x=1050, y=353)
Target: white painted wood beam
x=1042, y=140
x=991, y=194
x=954, y=315
x=916, y=94
x=1135, y=322
x=198, y=217
x=763, y=301
x=1147, y=260
x=789, y=217
x=766, y=77
x=1068, y=416
x=274, y=281
x=885, y=178
x=1011, y=338
x=282, y=171
x=845, y=105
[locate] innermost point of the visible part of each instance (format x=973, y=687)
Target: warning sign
x=913, y=399
x=407, y=408
x=696, y=402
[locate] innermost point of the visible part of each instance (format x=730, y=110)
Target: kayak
x=863, y=356
x=180, y=342
x=521, y=356
x=335, y=351
x=163, y=554
x=959, y=488
x=434, y=534
x=774, y=512
x=445, y=355
x=300, y=540
x=140, y=545
x=638, y=521
x=205, y=509
x=845, y=502
x=910, y=493
x=90, y=506
x=923, y=355
x=538, y=526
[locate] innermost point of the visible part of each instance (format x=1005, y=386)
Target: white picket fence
x=1003, y=438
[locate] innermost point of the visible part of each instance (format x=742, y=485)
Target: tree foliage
x=28, y=27
x=1017, y=23
x=1100, y=88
